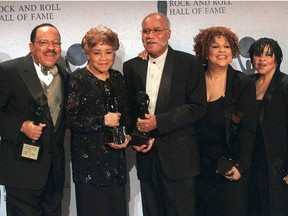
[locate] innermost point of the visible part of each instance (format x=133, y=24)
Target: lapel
x=231, y=92
x=29, y=76
x=269, y=92
x=165, y=84
x=31, y=80
x=143, y=75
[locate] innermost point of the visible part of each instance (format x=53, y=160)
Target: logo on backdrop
x=75, y=58
x=162, y=7
x=245, y=62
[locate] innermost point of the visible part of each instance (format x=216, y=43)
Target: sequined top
x=93, y=160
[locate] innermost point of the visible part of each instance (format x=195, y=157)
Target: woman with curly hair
x=227, y=131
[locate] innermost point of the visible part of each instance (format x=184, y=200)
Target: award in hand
x=141, y=138
x=232, y=124
x=117, y=134
x=31, y=148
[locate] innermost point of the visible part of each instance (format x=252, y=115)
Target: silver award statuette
x=31, y=148
x=141, y=138
x=117, y=134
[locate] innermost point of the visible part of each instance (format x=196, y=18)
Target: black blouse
x=93, y=160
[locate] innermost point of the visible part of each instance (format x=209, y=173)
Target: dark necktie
x=53, y=70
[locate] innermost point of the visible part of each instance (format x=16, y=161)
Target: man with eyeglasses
x=32, y=127
x=174, y=81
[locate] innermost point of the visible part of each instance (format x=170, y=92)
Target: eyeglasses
x=146, y=32
x=44, y=43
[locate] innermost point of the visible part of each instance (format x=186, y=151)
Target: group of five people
x=215, y=138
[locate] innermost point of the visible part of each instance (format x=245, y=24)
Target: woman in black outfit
x=228, y=91
x=96, y=107
x=268, y=190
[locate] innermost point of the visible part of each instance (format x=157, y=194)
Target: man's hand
x=31, y=130
x=145, y=148
x=148, y=124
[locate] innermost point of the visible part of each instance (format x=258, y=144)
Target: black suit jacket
x=181, y=103
x=18, y=81
x=273, y=118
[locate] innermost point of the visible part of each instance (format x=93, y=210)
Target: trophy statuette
x=141, y=138
x=117, y=134
x=31, y=148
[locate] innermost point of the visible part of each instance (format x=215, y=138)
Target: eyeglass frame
x=146, y=32
x=44, y=43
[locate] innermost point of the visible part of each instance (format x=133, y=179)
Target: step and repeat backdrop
x=250, y=20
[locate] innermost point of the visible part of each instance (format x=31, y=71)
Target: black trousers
x=94, y=200
x=44, y=202
x=165, y=197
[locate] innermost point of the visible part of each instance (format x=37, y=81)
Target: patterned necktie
x=53, y=70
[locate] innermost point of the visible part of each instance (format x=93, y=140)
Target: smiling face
x=219, y=53
x=46, y=47
x=101, y=58
x=265, y=63
x=156, y=41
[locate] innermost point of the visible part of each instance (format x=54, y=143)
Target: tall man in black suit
x=174, y=82
x=32, y=127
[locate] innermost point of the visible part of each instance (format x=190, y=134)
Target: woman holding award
x=226, y=133
x=96, y=116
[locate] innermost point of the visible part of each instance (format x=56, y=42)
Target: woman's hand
x=112, y=119
x=285, y=179
x=121, y=145
x=143, y=55
x=233, y=174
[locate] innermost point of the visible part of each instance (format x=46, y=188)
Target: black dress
x=215, y=194
x=94, y=163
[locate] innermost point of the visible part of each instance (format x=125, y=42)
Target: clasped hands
x=146, y=125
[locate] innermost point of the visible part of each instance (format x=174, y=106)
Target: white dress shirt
x=47, y=79
x=153, y=79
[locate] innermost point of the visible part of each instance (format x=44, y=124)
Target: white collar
x=47, y=79
x=159, y=59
